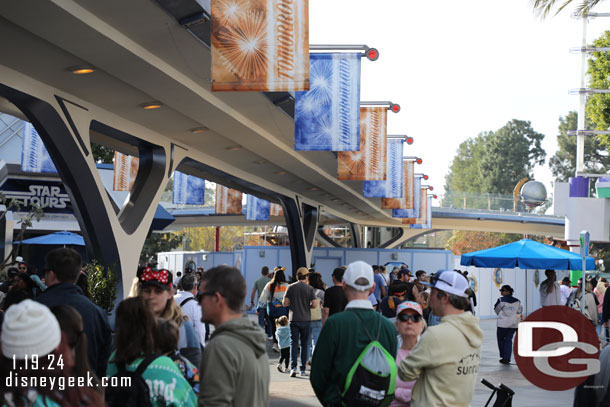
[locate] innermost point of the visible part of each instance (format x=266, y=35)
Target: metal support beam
x=302, y=224
x=356, y=233
x=323, y=238
x=65, y=127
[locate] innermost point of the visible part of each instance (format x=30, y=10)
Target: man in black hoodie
x=63, y=268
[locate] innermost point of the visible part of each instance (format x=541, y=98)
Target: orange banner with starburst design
x=276, y=210
x=260, y=45
x=423, y=218
x=368, y=164
x=406, y=201
x=125, y=171
x=228, y=201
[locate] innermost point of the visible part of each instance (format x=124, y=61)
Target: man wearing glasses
x=448, y=352
x=234, y=365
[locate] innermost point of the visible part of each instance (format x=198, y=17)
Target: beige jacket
x=445, y=363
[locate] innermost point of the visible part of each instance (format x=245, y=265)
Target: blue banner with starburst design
x=257, y=209
x=34, y=155
x=416, y=211
x=188, y=189
x=392, y=186
x=427, y=224
x=327, y=117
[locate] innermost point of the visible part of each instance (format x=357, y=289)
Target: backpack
x=276, y=309
x=207, y=325
x=135, y=395
x=371, y=380
x=184, y=301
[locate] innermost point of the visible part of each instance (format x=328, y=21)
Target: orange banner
x=228, y=201
x=276, y=210
x=406, y=201
x=260, y=45
x=125, y=171
x=423, y=219
x=368, y=164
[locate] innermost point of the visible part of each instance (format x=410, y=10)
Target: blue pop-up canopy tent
x=526, y=254
x=63, y=238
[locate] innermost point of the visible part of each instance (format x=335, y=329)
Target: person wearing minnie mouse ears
x=156, y=287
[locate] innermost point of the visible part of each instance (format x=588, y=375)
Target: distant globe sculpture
x=533, y=194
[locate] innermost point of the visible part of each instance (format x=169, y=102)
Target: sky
x=461, y=67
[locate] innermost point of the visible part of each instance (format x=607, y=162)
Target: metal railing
x=482, y=201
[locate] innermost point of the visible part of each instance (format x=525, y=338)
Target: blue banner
x=392, y=186
x=428, y=223
x=257, y=209
x=188, y=189
x=416, y=211
x=327, y=117
x=34, y=155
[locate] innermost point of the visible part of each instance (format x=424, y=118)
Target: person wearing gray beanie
x=36, y=361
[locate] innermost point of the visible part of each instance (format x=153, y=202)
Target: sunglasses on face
x=406, y=317
x=202, y=294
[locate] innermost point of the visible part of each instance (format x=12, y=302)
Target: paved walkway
x=297, y=392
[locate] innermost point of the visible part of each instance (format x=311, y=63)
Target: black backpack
x=136, y=395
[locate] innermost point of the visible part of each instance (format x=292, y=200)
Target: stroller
x=505, y=395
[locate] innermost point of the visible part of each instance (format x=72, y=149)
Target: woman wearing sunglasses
x=410, y=325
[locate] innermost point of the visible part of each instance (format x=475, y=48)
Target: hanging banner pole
x=372, y=54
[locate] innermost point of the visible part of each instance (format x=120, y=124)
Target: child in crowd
x=167, y=343
x=282, y=333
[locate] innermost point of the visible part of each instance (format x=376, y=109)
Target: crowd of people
x=186, y=340
x=58, y=348
x=327, y=328
x=596, y=299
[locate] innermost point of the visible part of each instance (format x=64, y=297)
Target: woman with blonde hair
x=157, y=289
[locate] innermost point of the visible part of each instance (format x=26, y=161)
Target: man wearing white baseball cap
x=448, y=352
x=344, y=335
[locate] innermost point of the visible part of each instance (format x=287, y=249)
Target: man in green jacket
x=344, y=337
x=234, y=365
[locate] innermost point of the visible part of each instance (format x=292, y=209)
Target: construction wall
x=251, y=260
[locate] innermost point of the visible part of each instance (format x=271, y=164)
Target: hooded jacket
x=445, y=363
x=234, y=366
x=509, y=311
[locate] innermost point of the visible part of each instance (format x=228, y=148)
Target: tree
x=465, y=172
x=510, y=155
x=102, y=154
x=464, y=241
x=103, y=282
x=563, y=163
x=598, y=105
x=159, y=242
x=35, y=213
x=544, y=7
x=204, y=238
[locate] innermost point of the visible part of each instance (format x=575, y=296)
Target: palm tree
x=544, y=7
